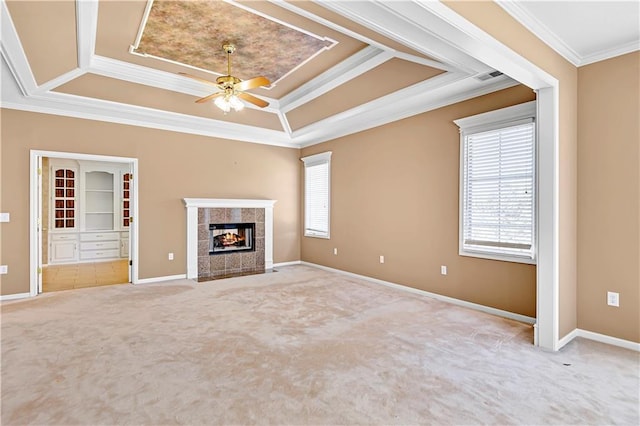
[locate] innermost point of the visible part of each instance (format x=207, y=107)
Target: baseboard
x=566, y=339
x=454, y=301
x=14, y=296
x=161, y=279
x=602, y=338
x=281, y=264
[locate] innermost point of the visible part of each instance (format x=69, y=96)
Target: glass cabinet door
x=64, y=198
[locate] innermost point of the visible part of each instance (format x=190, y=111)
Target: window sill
x=496, y=256
x=314, y=235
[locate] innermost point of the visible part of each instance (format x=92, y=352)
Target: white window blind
x=317, y=171
x=498, y=191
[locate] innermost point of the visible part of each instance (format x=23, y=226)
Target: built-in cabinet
x=90, y=211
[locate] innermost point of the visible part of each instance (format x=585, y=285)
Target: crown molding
x=437, y=92
x=610, y=53
x=87, y=28
x=520, y=14
x=540, y=30
x=411, y=25
x=13, y=54
x=352, y=67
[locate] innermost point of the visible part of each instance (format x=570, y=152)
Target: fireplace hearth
x=231, y=237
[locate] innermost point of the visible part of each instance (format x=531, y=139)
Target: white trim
x=13, y=53
x=439, y=91
x=540, y=30
x=352, y=67
x=291, y=263
x=452, y=300
x=496, y=118
x=192, y=205
x=161, y=279
x=309, y=161
x=87, y=27
x=597, y=337
x=14, y=296
x=34, y=260
x=524, y=113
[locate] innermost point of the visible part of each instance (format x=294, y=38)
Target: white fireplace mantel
x=193, y=204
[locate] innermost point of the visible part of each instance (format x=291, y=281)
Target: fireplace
x=231, y=237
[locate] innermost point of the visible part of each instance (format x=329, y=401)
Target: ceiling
x=332, y=73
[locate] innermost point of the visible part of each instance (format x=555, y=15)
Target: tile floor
x=80, y=275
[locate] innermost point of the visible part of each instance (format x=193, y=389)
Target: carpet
x=300, y=346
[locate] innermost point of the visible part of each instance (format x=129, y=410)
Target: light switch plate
x=4, y=269
x=5, y=217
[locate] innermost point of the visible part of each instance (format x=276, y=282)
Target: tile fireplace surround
x=203, y=211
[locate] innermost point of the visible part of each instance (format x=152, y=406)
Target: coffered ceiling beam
x=352, y=67
x=161, y=79
x=409, y=24
x=13, y=53
x=87, y=28
x=437, y=92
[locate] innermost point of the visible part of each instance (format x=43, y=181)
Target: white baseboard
x=602, y=338
x=454, y=301
x=14, y=296
x=161, y=279
x=281, y=264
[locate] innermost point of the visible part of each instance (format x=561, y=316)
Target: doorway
x=83, y=232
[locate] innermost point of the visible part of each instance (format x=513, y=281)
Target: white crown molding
x=352, y=67
x=610, y=53
x=411, y=25
x=13, y=54
x=58, y=81
x=138, y=74
x=540, y=30
x=87, y=28
x=437, y=92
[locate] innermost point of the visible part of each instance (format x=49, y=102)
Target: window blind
x=498, y=192
x=316, y=195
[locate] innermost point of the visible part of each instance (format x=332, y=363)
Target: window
x=497, y=177
x=317, y=174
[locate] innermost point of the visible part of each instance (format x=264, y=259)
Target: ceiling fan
x=232, y=89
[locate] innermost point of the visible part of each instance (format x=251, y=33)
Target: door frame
x=35, y=211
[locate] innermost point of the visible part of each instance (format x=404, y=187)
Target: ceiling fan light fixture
x=227, y=102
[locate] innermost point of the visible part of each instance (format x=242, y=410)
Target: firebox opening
x=231, y=237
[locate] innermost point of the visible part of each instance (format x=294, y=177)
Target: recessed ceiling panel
x=391, y=76
x=51, y=49
x=193, y=32
x=109, y=89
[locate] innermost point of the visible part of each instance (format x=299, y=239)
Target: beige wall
x=495, y=21
x=609, y=196
x=395, y=193
x=172, y=166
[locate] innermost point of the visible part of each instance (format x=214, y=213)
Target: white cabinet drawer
x=99, y=245
x=100, y=236
x=99, y=254
x=63, y=237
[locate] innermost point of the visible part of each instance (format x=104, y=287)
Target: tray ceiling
x=331, y=72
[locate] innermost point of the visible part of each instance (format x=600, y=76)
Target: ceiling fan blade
x=202, y=80
x=252, y=83
x=208, y=98
x=250, y=98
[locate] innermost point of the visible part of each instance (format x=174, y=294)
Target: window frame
x=309, y=161
x=494, y=120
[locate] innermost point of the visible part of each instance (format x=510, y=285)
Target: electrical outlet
x=335, y=251
x=381, y=259
x=613, y=299
x=443, y=269
x=170, y=256
x=4, y=269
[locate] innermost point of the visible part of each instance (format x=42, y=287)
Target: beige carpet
x=300, y=346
